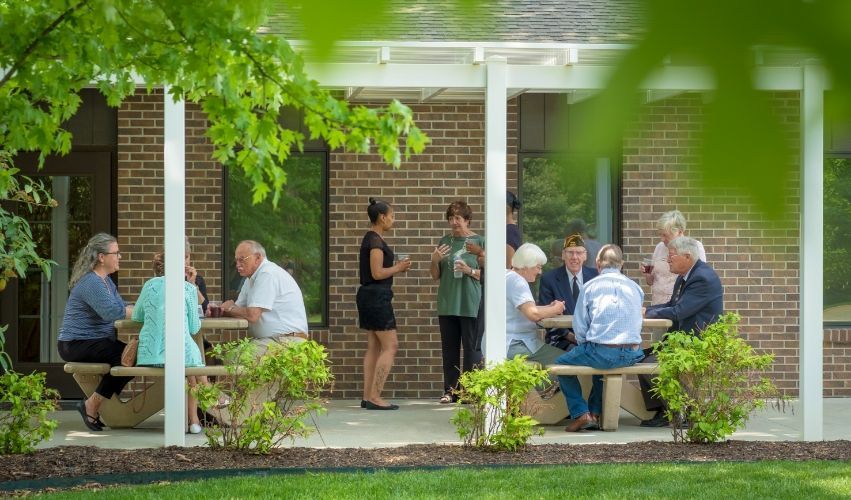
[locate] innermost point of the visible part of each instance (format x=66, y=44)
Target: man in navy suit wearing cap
x=564, y=283
x=697, y=301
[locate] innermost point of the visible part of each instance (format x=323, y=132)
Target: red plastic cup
x=215, y=309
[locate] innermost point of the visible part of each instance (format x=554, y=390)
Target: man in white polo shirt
x=270, y=299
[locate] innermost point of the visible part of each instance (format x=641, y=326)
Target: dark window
x=837, y=214
x=837, y=239
x=563, y=190
x=294, y=235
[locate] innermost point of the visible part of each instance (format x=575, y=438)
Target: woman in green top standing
x=458, y=296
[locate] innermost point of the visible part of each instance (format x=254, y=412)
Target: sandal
x=446, y=399
x=91, y=422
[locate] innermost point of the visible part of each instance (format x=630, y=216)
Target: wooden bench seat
x=616, y=394
x=120, y=414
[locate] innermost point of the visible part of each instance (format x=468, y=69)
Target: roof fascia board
x=532, y=77
x=472, y=45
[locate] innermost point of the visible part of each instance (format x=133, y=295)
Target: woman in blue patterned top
x=87, y=333
x=150, y=310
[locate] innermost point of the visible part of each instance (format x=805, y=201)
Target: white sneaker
x=195, y=429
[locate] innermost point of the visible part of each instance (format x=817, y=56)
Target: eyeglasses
x=241, y=260
x=113, y=253
x=575, y=253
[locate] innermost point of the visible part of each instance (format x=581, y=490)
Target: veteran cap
x=574, y=240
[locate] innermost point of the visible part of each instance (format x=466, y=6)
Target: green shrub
x=30, y=401
x=713, y=381
x=493, y=418
x=271, y=397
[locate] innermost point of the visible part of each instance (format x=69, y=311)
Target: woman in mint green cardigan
x=150, y=310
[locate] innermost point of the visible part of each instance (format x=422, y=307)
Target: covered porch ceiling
x=446, y=72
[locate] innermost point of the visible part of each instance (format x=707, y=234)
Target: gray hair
x=158, y=263
x=528, y=255
x=610, y=256
x=255, y=247
x=88, y=258
x=673, y=221
x=685, y=245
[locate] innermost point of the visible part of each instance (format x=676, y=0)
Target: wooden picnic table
x=207, y=324
x=631, y=398
x=655, y=327
x=151, y=399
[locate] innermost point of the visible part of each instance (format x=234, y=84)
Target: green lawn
x=815, y=479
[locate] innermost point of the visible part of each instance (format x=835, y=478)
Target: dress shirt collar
x=578, y=276
x=688, y=273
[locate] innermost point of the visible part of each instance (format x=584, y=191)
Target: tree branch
x=32, y=46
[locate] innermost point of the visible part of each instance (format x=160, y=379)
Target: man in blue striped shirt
x=607, y=323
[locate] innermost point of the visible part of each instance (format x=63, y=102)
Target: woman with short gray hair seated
x=671, y=225
x=522, y=314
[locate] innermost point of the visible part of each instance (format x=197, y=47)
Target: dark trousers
x=97, y=351
x=455, y=332
x=651, y=401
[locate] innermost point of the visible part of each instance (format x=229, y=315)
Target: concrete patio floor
x=346, y=425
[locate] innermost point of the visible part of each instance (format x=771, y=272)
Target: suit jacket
x=700, y=300
x=556, y=285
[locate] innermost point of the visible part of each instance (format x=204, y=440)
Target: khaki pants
x=262, y=394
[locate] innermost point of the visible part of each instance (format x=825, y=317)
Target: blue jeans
x=596, y=356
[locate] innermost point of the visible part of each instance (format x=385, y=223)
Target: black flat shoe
x=658, y=420
x=369, y=405
x=90, y=421
x=363, y=403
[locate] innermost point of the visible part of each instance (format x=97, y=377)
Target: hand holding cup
x=403, y=260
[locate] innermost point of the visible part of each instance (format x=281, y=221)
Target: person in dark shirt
x=375, y=304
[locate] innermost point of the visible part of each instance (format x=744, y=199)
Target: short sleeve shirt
x=459, y=296
x=512, y=236
x=370, y=241
x=276, y=292
x=517, y=325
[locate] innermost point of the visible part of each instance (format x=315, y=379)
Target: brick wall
x=140, y=195
x=757, y=262
x=451, y=168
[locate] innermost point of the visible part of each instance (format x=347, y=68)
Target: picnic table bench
x=616, y=393
x=117, y=413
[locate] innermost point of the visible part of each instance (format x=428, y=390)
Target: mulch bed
x=74, y=461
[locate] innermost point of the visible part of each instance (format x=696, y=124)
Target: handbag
x=128, y=355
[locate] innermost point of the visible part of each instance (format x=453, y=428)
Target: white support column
x=496, y=145
x=175, y=207
x=812, y=258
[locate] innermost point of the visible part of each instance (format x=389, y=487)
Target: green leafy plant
x=712, y=381
x=271, y=397
x=29, y=400
x=493, y=416
x=17, y=248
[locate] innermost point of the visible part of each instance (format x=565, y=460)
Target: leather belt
x=300, y=335
x=631, y=347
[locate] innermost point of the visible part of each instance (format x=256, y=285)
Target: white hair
x=528, y=255
x=255, y=247
x=672, y=222
x=685, y=245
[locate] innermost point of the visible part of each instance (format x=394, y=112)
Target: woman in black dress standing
x=375, y=308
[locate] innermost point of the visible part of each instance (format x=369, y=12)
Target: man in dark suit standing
x=564, y=283
x=697, y=301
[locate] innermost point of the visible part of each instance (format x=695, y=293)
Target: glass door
x=33, y=307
